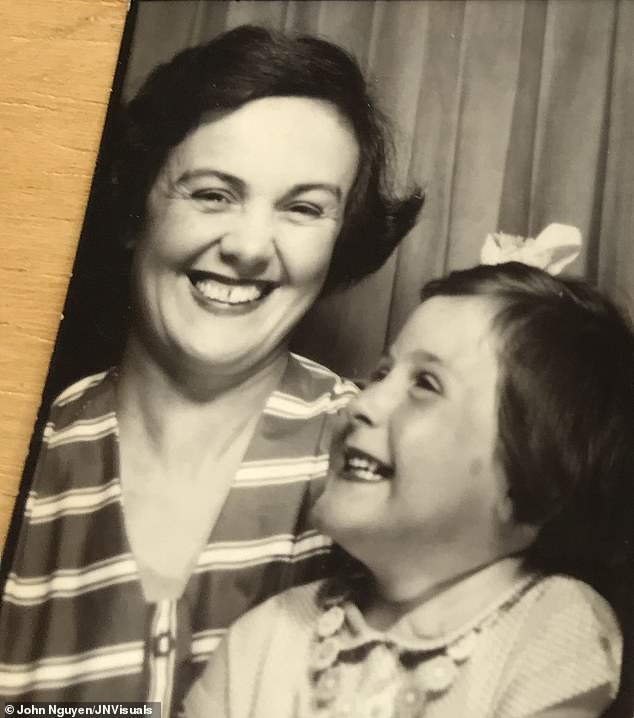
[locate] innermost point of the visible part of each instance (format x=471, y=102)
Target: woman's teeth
x=229, y=294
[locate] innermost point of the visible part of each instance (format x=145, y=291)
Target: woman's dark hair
x=246, y=64
x=565, y=415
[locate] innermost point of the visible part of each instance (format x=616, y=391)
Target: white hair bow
x=553, y=249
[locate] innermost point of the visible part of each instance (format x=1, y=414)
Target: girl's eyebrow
x=422, y=355
x=426, y=356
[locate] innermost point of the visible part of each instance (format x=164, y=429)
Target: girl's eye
x=379, y=374
x=427, y=382
x=306, y=210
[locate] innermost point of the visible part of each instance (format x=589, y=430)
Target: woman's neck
x=441, y=603
x=171, y=412
x=192, y=381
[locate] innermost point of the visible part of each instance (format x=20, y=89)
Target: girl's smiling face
x=416, y=465
x=241, y=225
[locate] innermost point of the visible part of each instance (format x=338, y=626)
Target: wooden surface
x=58, y=61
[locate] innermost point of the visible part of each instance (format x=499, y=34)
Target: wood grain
x=58, y=60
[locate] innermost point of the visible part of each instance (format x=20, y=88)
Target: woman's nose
x=250, y=244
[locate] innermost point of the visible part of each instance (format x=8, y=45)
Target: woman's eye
x=211, y=196
x=306, y=210
x=428, y=382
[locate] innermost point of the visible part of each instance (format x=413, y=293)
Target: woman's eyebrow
x=240, y=185
x=231, y=180
x=332, y=189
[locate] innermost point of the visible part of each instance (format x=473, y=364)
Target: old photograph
x=339, y=417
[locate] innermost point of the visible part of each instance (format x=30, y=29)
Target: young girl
x=481, y=486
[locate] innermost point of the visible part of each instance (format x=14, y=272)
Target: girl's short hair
x=565, y=415
x=250, y=63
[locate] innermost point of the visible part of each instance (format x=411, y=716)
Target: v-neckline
x=248, y=455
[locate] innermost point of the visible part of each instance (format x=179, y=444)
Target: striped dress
x=74, y=624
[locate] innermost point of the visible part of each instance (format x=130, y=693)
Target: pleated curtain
x=512, y=114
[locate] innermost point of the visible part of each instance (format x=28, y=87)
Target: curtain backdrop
x=511, y=113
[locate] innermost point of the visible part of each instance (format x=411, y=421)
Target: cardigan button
x=163, y=644
x=330, y=622
x=437, y=674
x=324, y=654
x=461, y=649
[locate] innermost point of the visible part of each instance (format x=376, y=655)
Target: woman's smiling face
x=416, y=466
x=240, y=227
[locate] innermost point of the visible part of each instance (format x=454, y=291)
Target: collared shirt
x=546, y=642
x=74, y=624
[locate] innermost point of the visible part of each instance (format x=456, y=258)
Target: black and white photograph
x=339, y=421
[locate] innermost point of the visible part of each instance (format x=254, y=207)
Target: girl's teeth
x=366, y=475
x=364, y=469
x=363, y=464
x=228, y=294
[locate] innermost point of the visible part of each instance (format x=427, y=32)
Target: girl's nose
x=374, y=404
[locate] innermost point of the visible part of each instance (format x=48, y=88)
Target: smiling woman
x=172, y=492
x=241, y=225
